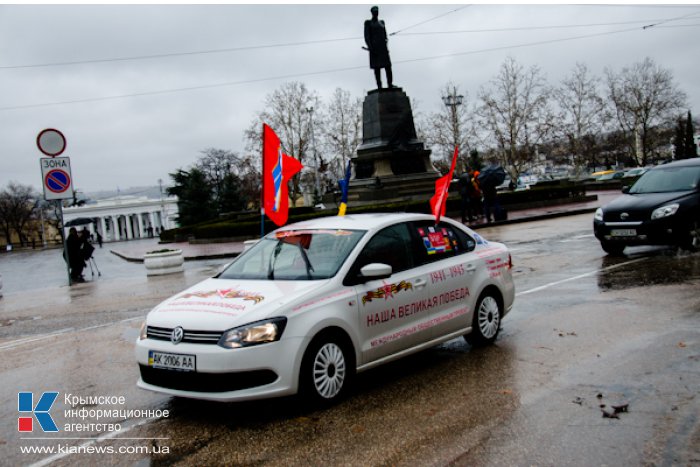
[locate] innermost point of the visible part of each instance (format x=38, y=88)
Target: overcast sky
x=184, y=101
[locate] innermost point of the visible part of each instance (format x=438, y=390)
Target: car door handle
x=470, y=268
x=420, y=283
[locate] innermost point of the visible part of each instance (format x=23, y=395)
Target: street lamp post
x=162, y=205
x=452, y=101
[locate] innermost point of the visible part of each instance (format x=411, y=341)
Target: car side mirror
x=626, y=189
x=374, y=271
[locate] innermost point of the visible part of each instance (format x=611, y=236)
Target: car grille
x=206, y=382
x=191, y=337
x=632, y=216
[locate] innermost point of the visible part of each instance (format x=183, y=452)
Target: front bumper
x=658, y=232
x=261, y=371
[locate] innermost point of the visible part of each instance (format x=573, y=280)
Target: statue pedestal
x=391, y=163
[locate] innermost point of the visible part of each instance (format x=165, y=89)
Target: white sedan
x=313, y=303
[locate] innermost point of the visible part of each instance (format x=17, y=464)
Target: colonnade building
x=124, y=217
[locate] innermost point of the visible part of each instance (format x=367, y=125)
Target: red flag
x=278, y=168
x=438, y=202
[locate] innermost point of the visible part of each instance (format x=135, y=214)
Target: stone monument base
x=391, y=163
x=392, y=188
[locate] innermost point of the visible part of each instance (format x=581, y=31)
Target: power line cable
x=314, y=73
x=312, y=42
x=669, y=20
x=178, y=54
x=216, y=51
x=429, y=20
x=528, y=28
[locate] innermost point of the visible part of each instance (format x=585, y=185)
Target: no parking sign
x=57, y=179
x=55, y=171
x=56, y=176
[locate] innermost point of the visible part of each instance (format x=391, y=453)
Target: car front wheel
x=691, y=240
x=486, y=322
x=326, y=371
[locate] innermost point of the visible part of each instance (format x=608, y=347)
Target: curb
x=536, y=217
x=139, y=259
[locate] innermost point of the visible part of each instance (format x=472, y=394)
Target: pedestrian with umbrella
x=489, y=179
x=75, y=255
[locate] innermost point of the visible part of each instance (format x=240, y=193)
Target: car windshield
x=307, y=254
x=664, y=180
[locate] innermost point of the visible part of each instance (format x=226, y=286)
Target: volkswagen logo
x=624, y=216
x=177, y=335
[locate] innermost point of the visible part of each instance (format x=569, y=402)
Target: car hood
x=220, y=304
x=643, y=202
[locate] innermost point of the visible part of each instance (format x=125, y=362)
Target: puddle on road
x=660, y=267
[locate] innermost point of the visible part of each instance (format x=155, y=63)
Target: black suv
x=661, y=208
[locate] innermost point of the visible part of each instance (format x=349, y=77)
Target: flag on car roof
x=278, y=169
x=438, y=203
x=344, y=185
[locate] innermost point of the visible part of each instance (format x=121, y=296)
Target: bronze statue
x=376, y=40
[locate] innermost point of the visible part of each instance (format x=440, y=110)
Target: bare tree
x=19, y=206
x=515, y=113
x=644, y=97
x=342, y=132
x=229, y=175
x=286, y=113
x=450, y=127
x=582, y=114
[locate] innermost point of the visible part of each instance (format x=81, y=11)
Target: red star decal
x=388, y=291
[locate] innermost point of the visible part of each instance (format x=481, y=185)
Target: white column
x=164, y=218
x=103, y=230
x=115, y=228
x=129, y=230
x=140, y=225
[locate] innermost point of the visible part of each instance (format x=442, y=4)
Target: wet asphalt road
x=586, y=330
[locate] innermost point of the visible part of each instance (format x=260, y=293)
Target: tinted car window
x=441, y=241
x=664, y=180
x=391, y=246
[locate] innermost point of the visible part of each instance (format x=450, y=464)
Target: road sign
x=57, y=181
x=56, y=177
x=51, y=142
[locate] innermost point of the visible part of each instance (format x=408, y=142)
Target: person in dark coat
x=468, y=194
x=74, y=244
x=489, y=182
x=376, y=40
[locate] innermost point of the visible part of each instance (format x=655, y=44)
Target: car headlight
x=665, y=211
x=260, y=332
x=142, y=331
x=598, y=214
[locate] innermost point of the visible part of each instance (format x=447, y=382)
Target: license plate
x=623, y=233
x=172, y=361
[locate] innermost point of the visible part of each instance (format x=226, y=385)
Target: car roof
x=693, y=162
x=372, y=221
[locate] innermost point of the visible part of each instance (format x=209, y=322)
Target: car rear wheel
x=486, y=322
x=613, y=249
x=326, y=370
